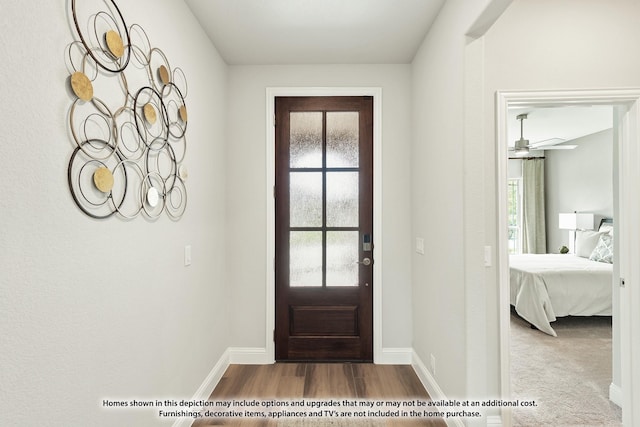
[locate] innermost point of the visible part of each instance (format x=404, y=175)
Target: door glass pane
x=305, y=142
x=342, y=254
x=305, y=192
x=342, y=139
x=342, y=199
x=305, y=258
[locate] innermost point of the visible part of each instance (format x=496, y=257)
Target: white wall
x=439, y=215
x=563, y=44
x=579, y=180
x=92, y=309
x=547, y=45
x=246, y=201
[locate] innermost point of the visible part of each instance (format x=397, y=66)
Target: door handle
x=366, y=261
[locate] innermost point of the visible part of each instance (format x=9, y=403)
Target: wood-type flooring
x=338, y=382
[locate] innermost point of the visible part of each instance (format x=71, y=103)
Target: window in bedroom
x=514, y=203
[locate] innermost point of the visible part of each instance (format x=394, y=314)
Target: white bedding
x=547, y=286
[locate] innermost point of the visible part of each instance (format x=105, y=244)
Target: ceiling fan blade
x=557, y=147
x=547, y=142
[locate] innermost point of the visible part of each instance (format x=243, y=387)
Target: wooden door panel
x=324, y=217
x=336, y=349
x=336, y=320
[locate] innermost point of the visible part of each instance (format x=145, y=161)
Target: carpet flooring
x=568, y=376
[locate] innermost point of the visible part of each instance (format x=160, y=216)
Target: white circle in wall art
x=152, y=197
x=183, y=173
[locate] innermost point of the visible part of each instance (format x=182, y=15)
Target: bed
x=547, y=286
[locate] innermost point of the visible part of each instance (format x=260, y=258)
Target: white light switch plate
x=420, y=245
x=187, y=255
x=487, y=256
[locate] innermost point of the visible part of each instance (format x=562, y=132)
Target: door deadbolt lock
x=366, y=243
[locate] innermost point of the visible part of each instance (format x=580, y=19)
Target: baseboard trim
x=249, y=356
x=615, y=394
x=207, y=386
x=432, y=387
x=259, y=356
x=395, y=356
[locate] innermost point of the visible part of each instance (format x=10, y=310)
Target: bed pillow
x=586, y=242
x=606, y=227
x=603, y=251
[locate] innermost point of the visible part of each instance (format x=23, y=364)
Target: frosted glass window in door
x=305, y=192
x=342, y=199
x=342, y=254
x=305, y=263
x=342, y=139
x=305, y=143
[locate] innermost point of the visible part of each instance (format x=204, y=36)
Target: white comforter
x=547, y=286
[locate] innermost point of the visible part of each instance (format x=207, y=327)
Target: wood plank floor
x=337, y=381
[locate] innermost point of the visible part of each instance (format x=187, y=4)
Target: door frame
x=627, y=104
x=271, y=94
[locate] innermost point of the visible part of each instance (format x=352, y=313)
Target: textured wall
x=92, y=309
x=247, y=199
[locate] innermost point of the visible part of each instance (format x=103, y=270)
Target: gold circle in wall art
x=183, y=113
x=164, y=75
x=114, y=43
x=82, y=86
x=150, y=113
x=103, y=179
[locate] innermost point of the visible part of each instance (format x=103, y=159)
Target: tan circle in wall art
x=114, y=43
x=82, y=86
x=183, y=113
x=103, y=179
x=164, y=75
x=150, y=113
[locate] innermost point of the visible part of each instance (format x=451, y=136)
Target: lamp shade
x=575, y=221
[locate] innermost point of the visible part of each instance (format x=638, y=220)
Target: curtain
x=533, y=211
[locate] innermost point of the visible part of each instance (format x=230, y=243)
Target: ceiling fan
x=523, y=147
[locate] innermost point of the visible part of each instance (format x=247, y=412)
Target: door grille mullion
x=324, y=199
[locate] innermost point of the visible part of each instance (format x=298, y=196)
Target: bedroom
x=576, y=179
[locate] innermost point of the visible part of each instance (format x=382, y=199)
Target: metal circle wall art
x=128, y=120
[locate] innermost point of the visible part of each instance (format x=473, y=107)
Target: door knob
x=366, y=261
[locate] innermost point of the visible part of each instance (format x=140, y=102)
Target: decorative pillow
x=606, y=227
x=603, y=251
x=586, y=241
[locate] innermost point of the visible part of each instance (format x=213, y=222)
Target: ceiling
x=566, y=122
x=267, y=32
x=281, y=32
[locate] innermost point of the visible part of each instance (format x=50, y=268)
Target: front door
x=324, y=225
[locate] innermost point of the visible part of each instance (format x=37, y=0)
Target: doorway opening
x=566, y=167
x=626, y=105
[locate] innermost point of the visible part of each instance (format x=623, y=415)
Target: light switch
x=420, y=245
x=487, y=256
x=187, y=255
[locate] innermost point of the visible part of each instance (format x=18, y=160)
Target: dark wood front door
x=324, y=226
